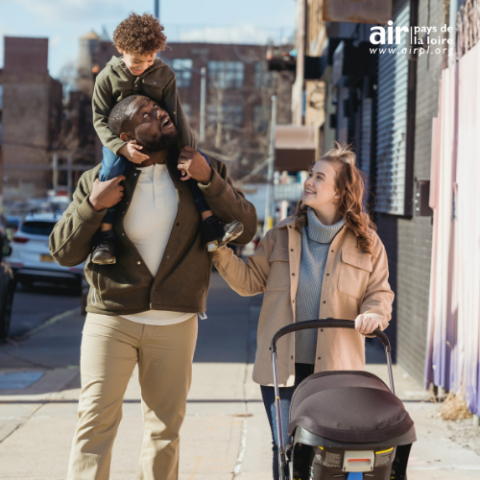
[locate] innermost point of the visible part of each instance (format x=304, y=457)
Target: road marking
x=195, y=468
x=243, y=443
x=53, y=320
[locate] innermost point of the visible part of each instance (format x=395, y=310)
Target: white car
x=31, y=260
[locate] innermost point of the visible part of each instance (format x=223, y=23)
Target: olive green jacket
x=127, y=287
x=115, y=82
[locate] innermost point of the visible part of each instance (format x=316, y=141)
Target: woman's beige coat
x=353, y=283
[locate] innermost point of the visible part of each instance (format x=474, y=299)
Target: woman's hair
x=140, y=34
x=350, y=185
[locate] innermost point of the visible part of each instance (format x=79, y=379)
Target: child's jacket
x=115, y=82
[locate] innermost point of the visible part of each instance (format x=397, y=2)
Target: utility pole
x=218, y=137
x=297, y=89
x=55, y=173
x=203, y=97
x=270, y=204
x=69, y=176
x=157, y=9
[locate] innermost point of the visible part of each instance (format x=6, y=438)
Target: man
x=143, y=308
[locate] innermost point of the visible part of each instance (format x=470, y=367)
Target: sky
x=65, y=21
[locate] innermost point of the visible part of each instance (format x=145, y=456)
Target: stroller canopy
x=348, y=406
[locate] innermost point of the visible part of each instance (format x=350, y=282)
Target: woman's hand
x=366, y=323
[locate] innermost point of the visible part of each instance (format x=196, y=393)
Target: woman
x=326, y=261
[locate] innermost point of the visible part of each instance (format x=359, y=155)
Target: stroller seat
x=348, y=406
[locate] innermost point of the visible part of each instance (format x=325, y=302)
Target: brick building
x=31, y=117
x=238, y=101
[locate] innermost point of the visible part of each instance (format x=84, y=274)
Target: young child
x=139, y=71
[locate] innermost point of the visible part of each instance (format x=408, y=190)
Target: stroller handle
x=326, y=323
x=295, y=327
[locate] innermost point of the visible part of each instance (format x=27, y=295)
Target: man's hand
x=366, y=323
x=106, y=194
x=192, y=164
x=131, y=151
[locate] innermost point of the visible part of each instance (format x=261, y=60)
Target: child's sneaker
x=216, y=233
x=104, y=251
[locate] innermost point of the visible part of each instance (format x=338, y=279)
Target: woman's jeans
x=113, y=166
x=302, y=371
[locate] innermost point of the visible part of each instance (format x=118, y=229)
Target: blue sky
x=65, y=21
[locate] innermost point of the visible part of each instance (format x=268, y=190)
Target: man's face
x=150, y=125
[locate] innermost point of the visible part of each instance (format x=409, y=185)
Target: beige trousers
x=111, y=347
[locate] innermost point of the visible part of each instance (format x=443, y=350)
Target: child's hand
x=131, y=151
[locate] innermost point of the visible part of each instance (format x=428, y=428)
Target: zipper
x=203, y=315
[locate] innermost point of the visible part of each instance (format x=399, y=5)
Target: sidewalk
x=225, y=434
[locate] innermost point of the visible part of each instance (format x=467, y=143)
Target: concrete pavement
x=225, y=434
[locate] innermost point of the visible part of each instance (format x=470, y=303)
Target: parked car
x=12, y=225
x=7, y=288
x=31, y=260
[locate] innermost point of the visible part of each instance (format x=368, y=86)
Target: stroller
x=343, y=424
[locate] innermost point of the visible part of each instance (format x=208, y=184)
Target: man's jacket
x=115, y=82
x=183, y=278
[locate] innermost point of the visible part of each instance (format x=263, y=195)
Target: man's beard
x=156, y=143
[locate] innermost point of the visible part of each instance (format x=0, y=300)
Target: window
x=231, y=115
x=261, y=118
x=226, y=74
x=263, y=78
x=183, y=70
x=38, y=228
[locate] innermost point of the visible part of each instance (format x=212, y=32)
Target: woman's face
x=319, y=191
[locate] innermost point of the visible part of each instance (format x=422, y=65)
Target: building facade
x=238, y=98
x=383, y=105
x=31, y=118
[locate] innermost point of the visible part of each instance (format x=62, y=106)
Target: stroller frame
x=295, y=327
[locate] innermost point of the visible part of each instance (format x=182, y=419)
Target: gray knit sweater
x=316, y=240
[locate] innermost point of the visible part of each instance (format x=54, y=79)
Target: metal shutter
x=392, y=120
x=366, y=135
x=342, y=116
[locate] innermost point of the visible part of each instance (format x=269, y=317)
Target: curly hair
x=350, y=185
x=140, y=34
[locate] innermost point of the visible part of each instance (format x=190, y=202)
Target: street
x=33, y=306
x=338, y=140
x=225, y=434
